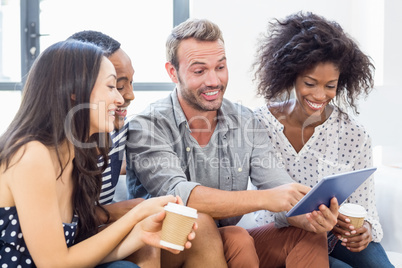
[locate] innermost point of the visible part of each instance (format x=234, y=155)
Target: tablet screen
x=340, y=186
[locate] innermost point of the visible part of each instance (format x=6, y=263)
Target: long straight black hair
x=54, y=110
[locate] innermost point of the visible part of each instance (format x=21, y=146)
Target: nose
x=319, y=93
x=212, y=79
x=128, y=94
x=119, y=100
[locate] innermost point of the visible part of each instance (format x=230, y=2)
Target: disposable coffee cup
x=355, y=213
x=177, y=224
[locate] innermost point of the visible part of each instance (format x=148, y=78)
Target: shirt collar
x=177, y=110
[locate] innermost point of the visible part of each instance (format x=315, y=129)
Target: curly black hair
x=300, y=42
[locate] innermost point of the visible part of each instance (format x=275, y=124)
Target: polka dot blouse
x=336, y=146
x=13, y=251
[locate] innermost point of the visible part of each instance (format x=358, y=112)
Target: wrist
x=265, y=200
x=369, y=228
x=135, y=214
x=139, y=232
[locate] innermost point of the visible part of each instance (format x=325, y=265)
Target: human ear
x=171, y=70
x=73, y=97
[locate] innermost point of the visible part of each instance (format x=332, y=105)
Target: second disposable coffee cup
x=355, y=213
x=177, y=225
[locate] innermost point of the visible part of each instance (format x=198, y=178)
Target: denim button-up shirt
x=160, y=157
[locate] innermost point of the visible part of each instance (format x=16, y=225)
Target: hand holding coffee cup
x=355, y=213
x=177, y=225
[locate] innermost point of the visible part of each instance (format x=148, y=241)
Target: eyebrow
x=203, y=63
x=316, y=79
x=222, y=59
x=122, y=78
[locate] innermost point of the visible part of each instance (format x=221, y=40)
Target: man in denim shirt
x=202, y=147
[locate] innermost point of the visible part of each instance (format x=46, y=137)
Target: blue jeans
x=373, y=256
x=335, y=263
x=118, y=264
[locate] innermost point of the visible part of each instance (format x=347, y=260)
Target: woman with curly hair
x=311, y=73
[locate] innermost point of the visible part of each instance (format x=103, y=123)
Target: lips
x=315, y=106
x=211, y=95
x=121, y=111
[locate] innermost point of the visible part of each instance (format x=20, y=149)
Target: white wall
x=9, y=104
x=381, y=112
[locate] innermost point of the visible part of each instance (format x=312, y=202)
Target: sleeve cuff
x=183, y=189
x=376, y=230
x=281, y=220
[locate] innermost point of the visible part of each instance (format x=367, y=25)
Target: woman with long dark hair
x=49, y=177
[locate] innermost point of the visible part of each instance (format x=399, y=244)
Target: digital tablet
x=340, y=186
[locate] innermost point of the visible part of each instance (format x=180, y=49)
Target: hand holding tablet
x=340, y=186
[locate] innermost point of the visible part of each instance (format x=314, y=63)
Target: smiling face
x=125, y=72
x=203, y=75
x=315, y=88
x=104, y=99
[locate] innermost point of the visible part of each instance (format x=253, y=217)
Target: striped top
x=110, y=176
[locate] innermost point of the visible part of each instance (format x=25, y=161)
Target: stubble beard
x=195, y=102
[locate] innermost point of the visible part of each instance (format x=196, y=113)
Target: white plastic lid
x=353, y=210
x=170, y=245
x=182, y=210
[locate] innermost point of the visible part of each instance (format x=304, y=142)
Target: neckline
x=307, y=145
